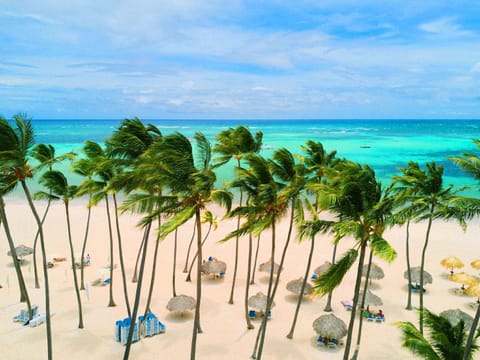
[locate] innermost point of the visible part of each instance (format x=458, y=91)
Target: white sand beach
x=225, y=335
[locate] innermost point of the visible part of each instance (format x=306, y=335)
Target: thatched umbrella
x=376, y=272
x=267, y=266
x=214, y=267
x=475, y=264
x=451, y=262
x=371, y=298
x=295, y=286
x=22, y=250
x=322, y=268
x=464, y=279
x=415, y=274
x=455, y=315
x=330, y=326
x=259, y=301
x=474, y=290
x=181, y=303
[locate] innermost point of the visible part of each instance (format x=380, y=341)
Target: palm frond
x=174, y=222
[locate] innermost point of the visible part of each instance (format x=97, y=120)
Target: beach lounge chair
x=314, y=276
x=252, y=314
x=126, y=328
x=269, y=314
x=332, y=345
x=370, y=316
x=23, y=316
x=379, y=318
x=416, y=288
x=320, y=341
x=106, y=281
x=347, y=305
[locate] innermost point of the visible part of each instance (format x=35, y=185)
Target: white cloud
x=444, y=26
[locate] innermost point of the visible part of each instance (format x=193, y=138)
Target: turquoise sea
x=383, y=144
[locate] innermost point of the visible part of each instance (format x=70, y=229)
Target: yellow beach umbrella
x=452, y=262
x=474, y=290
x=464, y=279
x=475, y=264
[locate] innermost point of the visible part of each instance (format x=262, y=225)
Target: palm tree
x=236, y=143
x=191, y=180
x=45, y=155
x=445, y=340
x=406, y=186
x=355, y=196
x=85, y=168
x=59, y=189
x=7, y=184
x=15, y=145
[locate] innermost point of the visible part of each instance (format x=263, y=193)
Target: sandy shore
x=224, y=332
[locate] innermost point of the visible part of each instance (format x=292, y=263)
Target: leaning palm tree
x=236, y=143
x=59, y=189
x=45, y=155
x=445, y=341
x=7, y=184
x=191, y=182
x=15, y=145
x=353, y=194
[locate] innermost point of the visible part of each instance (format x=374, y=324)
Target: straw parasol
x=295, y=286
x=322, y=268
x=474, y=290
x=464, y=279
x=259, y=301
x=267, y=266
x=415, y=274
x=376, y=272
x=455, y=315
x=452, y=262
x=475, y=264
x=214, y=266
x=22, y=250
x=330, y=326
x=371, y=298
x=181, y=303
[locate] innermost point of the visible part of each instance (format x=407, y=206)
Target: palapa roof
x=181, y=303
x=295, y=286
x=331, y=326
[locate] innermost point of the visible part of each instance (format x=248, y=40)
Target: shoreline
x=225, y=334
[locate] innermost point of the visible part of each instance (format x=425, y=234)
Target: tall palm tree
x=45, y=155
x=236, y=143
x=15, y=145
x=59, y=189
x=444, y=342
x=7, y=184
x=405, y=188
x=354, y=195
x=191, y=180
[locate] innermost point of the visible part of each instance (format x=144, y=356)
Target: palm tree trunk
x=257, y=352
x=84, y=245
x=120, y=255
x=254, y=268
x=407, y=255
x=189, y=278
x=35, y=269
x=139, y=252
x=75, y=280
x=473, y=330
x=18, y=270
x=362, y=306
x=422, y=265
x=247, y=283
x=235, y=266
x=305, y=278
x=136, y=303
x=196, y=323
x=111, y=302
x=328, y=306
x=355, y=301
x=154, y=268
x=185, y=269
x=45, y=270
x=174, y=262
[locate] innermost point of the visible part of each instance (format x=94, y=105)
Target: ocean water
x=383, y=144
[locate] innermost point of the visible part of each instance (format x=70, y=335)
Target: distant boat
x=365, y=146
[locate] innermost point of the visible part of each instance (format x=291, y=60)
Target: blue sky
x=240, y=59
